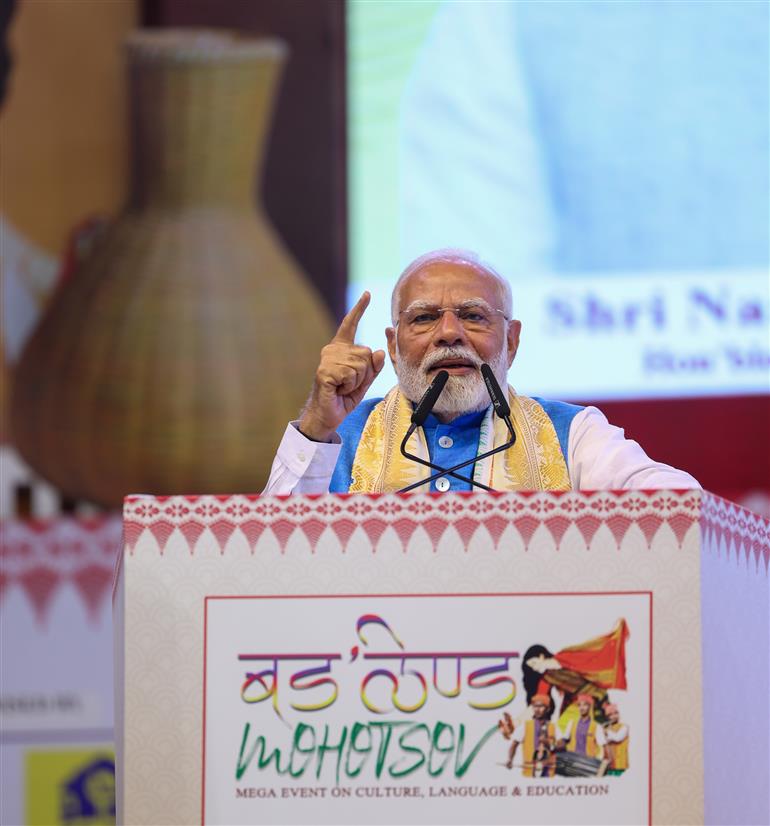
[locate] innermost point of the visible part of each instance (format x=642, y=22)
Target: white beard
x=461, y=394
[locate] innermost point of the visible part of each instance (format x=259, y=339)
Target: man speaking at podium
x=451, y=315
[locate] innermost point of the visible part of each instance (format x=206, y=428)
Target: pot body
x=172, y=359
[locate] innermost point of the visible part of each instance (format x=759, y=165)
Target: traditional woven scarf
x=535, y=462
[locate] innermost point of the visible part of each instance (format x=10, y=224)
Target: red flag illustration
x=601, y=660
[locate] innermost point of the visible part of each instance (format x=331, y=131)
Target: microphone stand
x=451, y=471
x=438, y=467
x=420, y=414
x=427, y=403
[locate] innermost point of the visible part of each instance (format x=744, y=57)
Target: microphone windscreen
x=429, y=399
x=495, y=393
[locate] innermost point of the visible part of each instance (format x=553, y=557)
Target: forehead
x=445, y=283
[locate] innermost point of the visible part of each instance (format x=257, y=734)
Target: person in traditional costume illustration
x=616, y=734
x=453, y=312
x=584, y=736
x=537, y=737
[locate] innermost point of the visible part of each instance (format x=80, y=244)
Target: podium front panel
x=340, y=659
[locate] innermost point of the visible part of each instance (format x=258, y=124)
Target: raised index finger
x=349, y=326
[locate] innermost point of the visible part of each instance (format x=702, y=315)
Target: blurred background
x=187, y=210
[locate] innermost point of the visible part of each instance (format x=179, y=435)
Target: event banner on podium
x=365, y=700
x=467, y=658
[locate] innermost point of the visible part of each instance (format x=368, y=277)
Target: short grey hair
x=450, y=255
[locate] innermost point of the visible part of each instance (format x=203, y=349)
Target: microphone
x=499, y=401
x=428, y=400
x=420, y=414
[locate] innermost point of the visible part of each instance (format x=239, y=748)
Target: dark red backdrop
x=723, y=442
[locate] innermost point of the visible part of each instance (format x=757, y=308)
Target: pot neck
x=199, y=126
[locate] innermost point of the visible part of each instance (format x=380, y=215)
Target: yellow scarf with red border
x=535, y=462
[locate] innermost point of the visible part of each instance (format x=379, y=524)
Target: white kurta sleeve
x=302, y=465
x=519, y=732
x=601, y=739
x=617, y=736
x=601, y=458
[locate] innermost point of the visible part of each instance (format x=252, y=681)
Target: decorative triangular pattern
x=39, y=585
x=191, y=531
x=282, y=530
x=435, y=527
x=39, y=557
x=93, y=583
x=131, y=533
x=526, y=526
x=466, y=527
x=730, y=544
x=734, y=548
x=374, y=528
x=588, y=525
x=649, y=524
x=748, y=551
x=736, y=527
x=162, y=530
x=344, y=529
x=252, y=529
x=737, y=548
x=404, y=529
x=619, y=525
x=717, y=531
x=557, y=526
x=756, y=550
x=435, y=513
x=680, y=523
x=313, y=528
x=496, y=526
x=222, y=530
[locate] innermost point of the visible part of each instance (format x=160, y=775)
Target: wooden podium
x=348, y=659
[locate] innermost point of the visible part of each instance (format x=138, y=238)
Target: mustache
x=465, y=353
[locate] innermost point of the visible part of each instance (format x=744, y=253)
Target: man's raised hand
x=345, y=373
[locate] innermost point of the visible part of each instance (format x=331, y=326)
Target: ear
x=514, y=332
x=390, y=335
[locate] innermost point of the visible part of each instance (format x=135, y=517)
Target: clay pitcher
x=173, y=358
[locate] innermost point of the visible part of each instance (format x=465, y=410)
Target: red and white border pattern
x=736, y=529
x=40, y=557
x=252, y=516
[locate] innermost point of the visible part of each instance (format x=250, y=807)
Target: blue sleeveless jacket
x=448, y=444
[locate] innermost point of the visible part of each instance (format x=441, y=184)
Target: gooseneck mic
x=428, y=401
x=499, y=401
x=503, y=410
x=421, y=413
